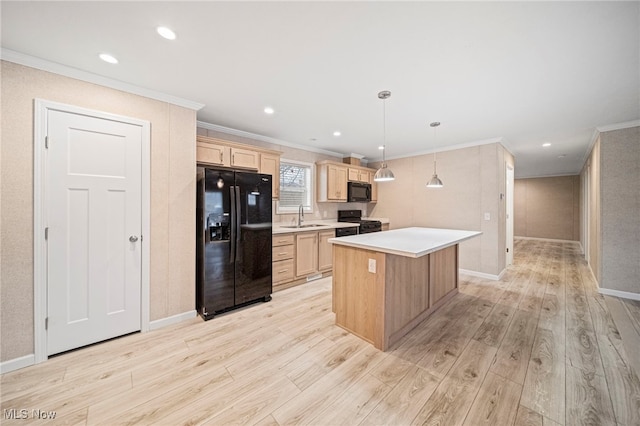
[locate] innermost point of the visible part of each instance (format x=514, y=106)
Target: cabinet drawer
x=282, y=271
x=282, y=240
x=282, y=252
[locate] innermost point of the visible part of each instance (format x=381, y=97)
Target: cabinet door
x=244, y=158
x=270, y=165
x=374, y=191
x=306, y=253
x=208, y=153
x=354, y=175
x=364, y=176
x=325, y=253
x=337, y=183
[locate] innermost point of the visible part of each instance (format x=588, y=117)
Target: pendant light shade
x=435, y=181
x=384, y=174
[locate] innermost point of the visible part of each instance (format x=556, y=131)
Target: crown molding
x=78, y=74
x=602, y=129
x=618, y=126
x=244, y=134
x=499, y=140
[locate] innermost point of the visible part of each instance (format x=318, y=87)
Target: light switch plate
x=372, y=266
x=487, y=216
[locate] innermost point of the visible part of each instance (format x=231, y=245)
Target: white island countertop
x=409, y=242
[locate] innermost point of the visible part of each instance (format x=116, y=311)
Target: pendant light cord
x=384, y=130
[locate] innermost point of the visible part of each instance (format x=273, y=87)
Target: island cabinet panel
x=443, y=273
x=357, y=304
x=407, y=290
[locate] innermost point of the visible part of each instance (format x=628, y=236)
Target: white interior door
x=509, y=206
x=93, y=171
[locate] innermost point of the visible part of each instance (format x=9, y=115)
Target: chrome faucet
x=300, y=215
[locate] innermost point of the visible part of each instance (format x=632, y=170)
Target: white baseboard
x=546, y=239
x=618, y=293
x=17, y=363
x=174, y=319
x=482, y=274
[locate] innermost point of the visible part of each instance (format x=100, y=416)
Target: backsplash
x=321, y=211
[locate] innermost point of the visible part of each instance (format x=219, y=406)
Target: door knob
x=133, y=238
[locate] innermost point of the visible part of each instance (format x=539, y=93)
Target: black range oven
x=355, y=216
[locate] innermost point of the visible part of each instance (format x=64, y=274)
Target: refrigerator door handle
x=234, y=212
x=238, y=217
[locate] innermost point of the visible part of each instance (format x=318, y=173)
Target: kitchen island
x=386, y=283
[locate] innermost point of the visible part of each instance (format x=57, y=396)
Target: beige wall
x=320, y=210
x=611, y=177
x=172, y=245
x=547, y=207
x=473, y=180
x=620, y=210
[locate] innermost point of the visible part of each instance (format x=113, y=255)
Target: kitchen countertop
x=284, y=227
x=409, y=242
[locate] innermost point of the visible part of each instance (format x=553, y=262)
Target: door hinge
x=46, y=233
x=46, y=323
x=46, y=142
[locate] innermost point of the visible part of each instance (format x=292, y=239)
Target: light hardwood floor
x=539, y=347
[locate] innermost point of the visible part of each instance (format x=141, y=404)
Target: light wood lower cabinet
x=325, y=250
x=299, y=255
x=306, y=253
x=283, y=251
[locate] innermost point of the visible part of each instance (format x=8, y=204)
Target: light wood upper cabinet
x=325, y=250
x=306, y=253
x=219, y=152
x=331, y=182
x=359, y=175
x=374, y=191
x=214, y=154
x=244, y=158
x=270, y=165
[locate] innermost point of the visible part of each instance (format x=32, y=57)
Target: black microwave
x=358, y=192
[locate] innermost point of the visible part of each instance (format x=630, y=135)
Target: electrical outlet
x=372, y=266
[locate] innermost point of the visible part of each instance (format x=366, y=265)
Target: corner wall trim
x=17, y=363
x=618, y=293
x=174, y=319
x=482, y=274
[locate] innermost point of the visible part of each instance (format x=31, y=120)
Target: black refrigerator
x=233, y=237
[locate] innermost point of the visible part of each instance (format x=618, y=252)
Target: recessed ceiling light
x=546, y=144
x=381, y=147
x=108, y=58
x=337, y=133
x=166, y=33
x=269, y=110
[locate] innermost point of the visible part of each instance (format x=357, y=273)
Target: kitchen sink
x=309, y=225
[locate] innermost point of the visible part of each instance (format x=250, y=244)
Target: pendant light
x=384, y=174
x=435, y=182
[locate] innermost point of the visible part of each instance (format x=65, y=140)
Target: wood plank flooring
x=539, y=347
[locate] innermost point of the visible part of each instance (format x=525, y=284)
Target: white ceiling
x=525, y=72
